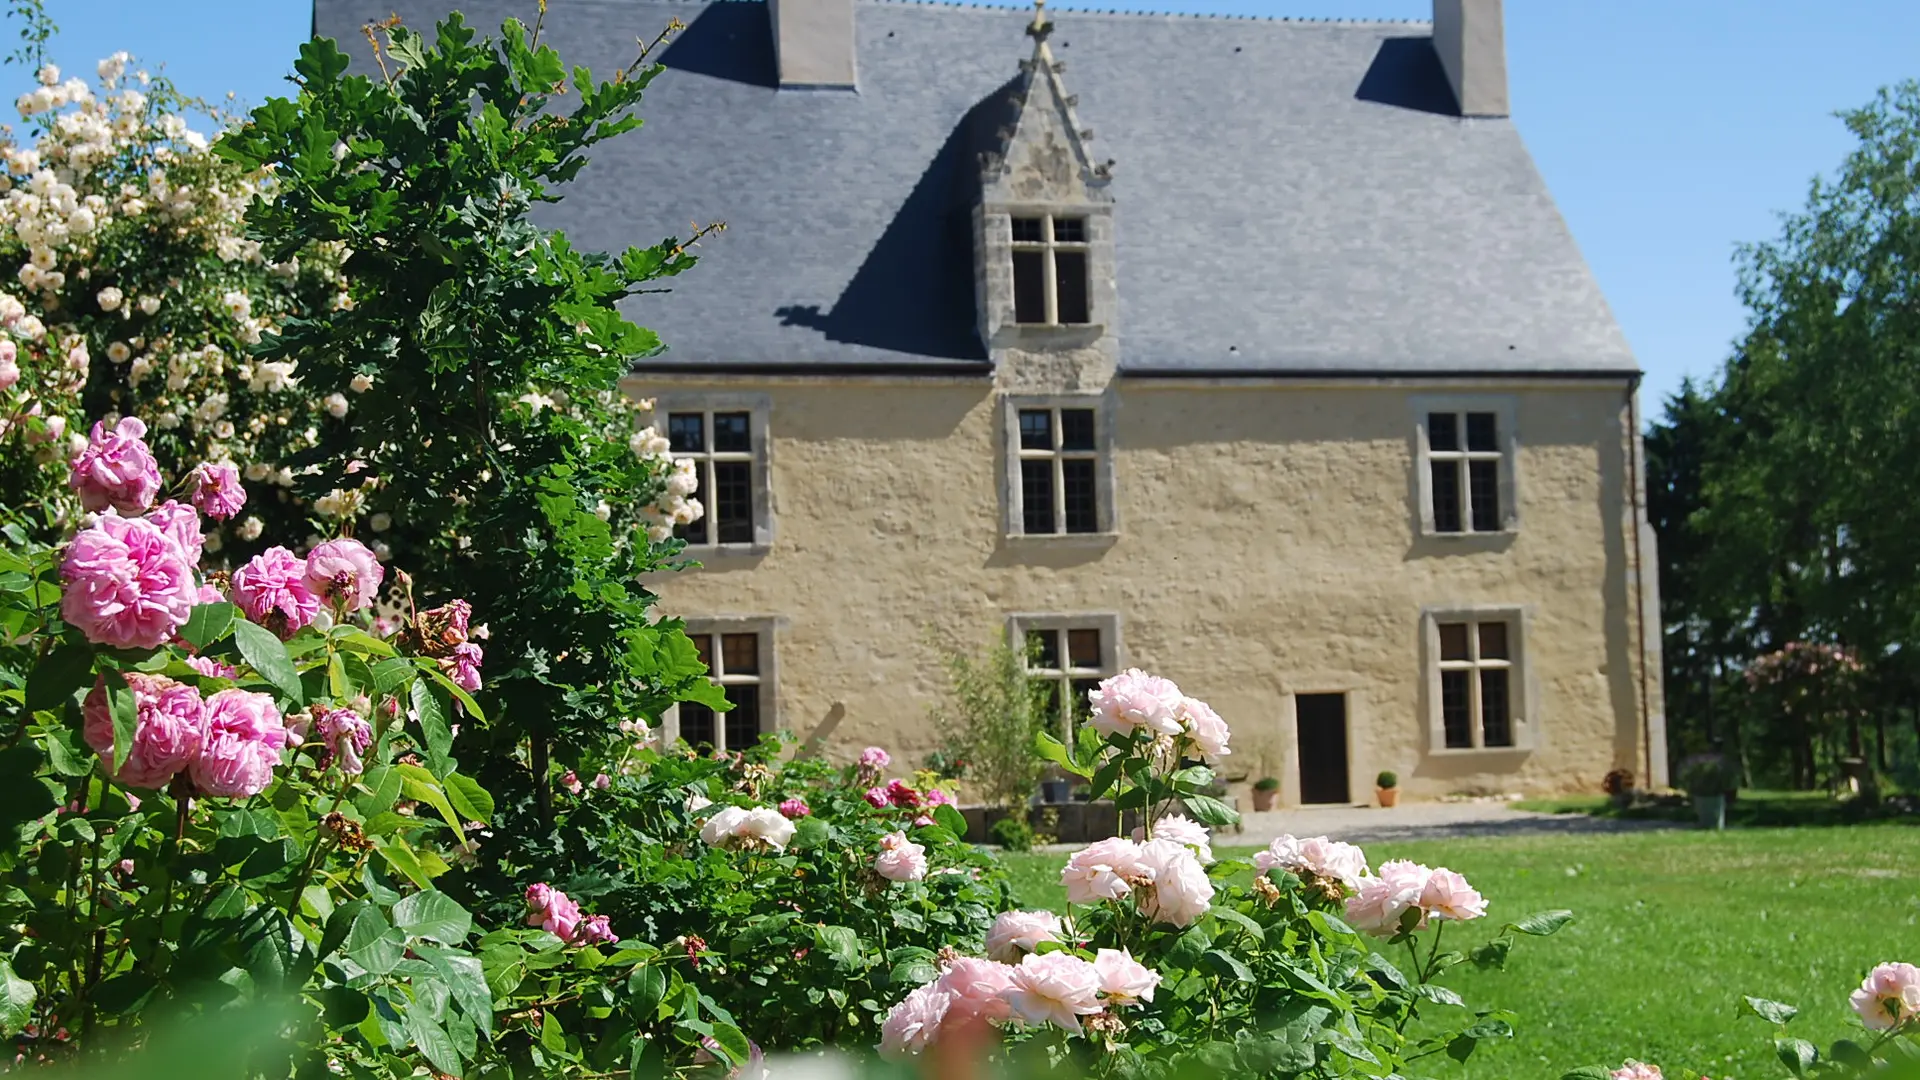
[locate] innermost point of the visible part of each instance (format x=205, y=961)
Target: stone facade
x=1266, y=541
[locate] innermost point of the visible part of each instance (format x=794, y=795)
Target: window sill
x=726, y=551
x=1479, y=751
x=1054, y=335
x=1492, y=534
x=1090, y=540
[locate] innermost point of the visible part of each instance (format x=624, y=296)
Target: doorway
x=1321, y=721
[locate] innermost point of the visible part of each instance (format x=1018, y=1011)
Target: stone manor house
x=1250, y=352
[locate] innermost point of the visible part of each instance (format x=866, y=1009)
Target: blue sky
x=1668, y=130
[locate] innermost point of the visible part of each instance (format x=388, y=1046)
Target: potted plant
x=1619, y=788
x=1265, y=790
x=1387, y=787
x=1707, y=778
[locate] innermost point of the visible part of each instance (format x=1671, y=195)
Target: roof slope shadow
x=914, y=293
x=731, y=41
x=1406, y=73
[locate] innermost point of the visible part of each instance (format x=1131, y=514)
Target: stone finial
x=1040, y=27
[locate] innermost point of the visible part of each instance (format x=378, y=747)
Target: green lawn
x=1671, y=928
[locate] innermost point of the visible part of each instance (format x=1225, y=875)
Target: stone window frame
x=1505, y=408
x=1013, y=517
x=765, y=628
x=993, y=273
x=759, y=410
x=1112, y=646
x=1522, y=692
x=1049, y=246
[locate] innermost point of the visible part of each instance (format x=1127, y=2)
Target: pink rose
x=1102, y=870
x=116, y=469
x=912, y=1025
x=1133, y=700
x=182, y=522
x=1180, y=892
x=1447, y=895
x=596, y=930
x=1056, y=988
x=129, y=584
x=1635, y=1070
x=795, y=808
x=344, y=738
x=271, y=588
x=1889, y=997
x=463, y=667
x=551, y=910
x=571, y=781
x=877, y=797
x=1124, y=980
x=937, y=797
x=216, y=489
x=344, y=573
x=9, y=368
x=245, y=736
x=601, y=781
x=900, y=859
x=875, y=759
x=1315, y=856
x=170, y=727
x=211, y=668
x=1182, y=830
x=902, y=795
x=1016, y=933
x=1381, y=900
x=978, y=989
x=1204, y=726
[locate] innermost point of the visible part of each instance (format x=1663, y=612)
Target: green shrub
x=1387, y=779
x=1012, y=833
x=1267, y=783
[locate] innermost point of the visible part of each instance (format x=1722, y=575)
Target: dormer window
x=1050, y=285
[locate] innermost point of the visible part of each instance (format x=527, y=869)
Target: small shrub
x=1707, y=774
x=994, y=713
x=1267, y=783
x=1012, y=833
x=1387, y=779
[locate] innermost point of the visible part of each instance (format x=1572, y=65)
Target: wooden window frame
x=1507, y=439
x=759, y=408
x=1106, y=524
x=1521, y=691
x=1106, y=623
x=767, y=679
x=1049, y=247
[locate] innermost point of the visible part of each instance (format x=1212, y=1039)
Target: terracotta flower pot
x=1263, y=800
x=1389, y=796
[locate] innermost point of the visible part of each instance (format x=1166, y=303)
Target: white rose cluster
x=676, y=505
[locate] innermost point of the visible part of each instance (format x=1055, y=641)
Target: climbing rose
x=1204, y=726
x=913, y=1024
x=1182, y=830
x=344, y=573
x=1101, y=871
x=1635, y=1070
x=129, y=583
x=571, y=781
x=900, y=859
x=9, y=367
x=115, y=469
x=1134, y=699
x=244, y=738
x=978, y=988
x=1315, y=856
x=1180, y=892
x=795, y=808
x=1381, y=900
x=463, y=667
x=1016, y=933
x=551, y=910
x=1889, y=997
x=1447, y=895
x=1124, y=980
x=182, y=522
x=272, y=590
x=1056, y=988
x=217, y=491
x=170, y=726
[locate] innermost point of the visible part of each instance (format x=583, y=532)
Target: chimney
x=1471, y=39
x=813, y=43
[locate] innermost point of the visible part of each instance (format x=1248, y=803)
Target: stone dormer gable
x=1043, y=233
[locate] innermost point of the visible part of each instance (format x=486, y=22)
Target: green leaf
x=1253, y=929
x=125, y=710
x=208, y=623
x=810, y=833
x=1851, y=1054
x=16, y=1001
x=645, y=989
x=404, y=859
x=67, y=758
x=950, y=819
x=1773, y=1012
x=1227, y=964
x=1543, y=924
x=1493, y=955
x=372, y=943
x=1054, y=750
x=839, y=942
x=430, y=705
x=390, y=675
x=734, y=1042
x=54, y=679
x=433, y=914
x=472, y=801
x=1588, y=1072
x=458, y=692
x=422, y=786
x=1383, y=967
x=1798, y=1055
x=432, y=1040
x=339, y=924
x=267, y=655
x=1208, y=810
x=1440, y=995
x=1189, y=947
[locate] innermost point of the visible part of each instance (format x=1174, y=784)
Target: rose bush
x=1163, y=966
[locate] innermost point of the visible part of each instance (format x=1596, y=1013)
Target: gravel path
x=1421, y=821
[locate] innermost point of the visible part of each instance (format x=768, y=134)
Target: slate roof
x=1291, y=197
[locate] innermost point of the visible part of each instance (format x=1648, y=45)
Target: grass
x=1671, y=928
x=1773, y=809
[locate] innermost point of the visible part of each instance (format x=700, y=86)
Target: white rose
x=768, y=825
x=251, y=528
x=336, y=405
x=719, y=831
x=149, y=305
x=361, y=383
x=381, y=522
x=1180, y=892
x=118, y=352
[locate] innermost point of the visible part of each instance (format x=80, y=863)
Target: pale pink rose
x=1102, y=870
x=211, y=668
x=245, y=736
x=9, y=367
x=1055, y=988
x=720, y=830
x=551, y=910
x=1889, y=997
x=1017, y=933
x=1204, y=726
x=571, y=781
x=900, y=859
x=271, y=588
x=1180, y=892
x=877, y=798
x=344, y=573
x=170, y=728
x=116, y=469
x=601, y=781
x=875, y=758
x=596, y=930
x=1447, y=895
x=129, y=584
x=978, y=988
x=1124, y=980
x=463, y=667
x=769, y=826
x=182, y=522
x=1635, y=1070
x=795, y=808
x=1133, y=700
x=1376, y=908
x=216, y=489
x=210, y=595
x=1181, y=830
x=1314, y=856
x=912, y=1025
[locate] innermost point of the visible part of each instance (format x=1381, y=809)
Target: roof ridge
x=1015, y=5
